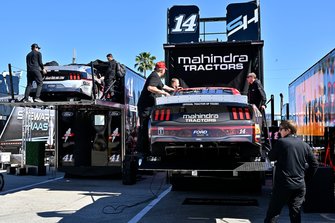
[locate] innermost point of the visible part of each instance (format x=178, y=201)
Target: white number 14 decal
x=185, y=25
x=242, y=131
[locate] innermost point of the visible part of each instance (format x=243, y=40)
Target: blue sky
x=296, y=34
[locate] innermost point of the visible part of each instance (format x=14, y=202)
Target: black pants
x=108, y=87
x=34, y=75
x=281, y=196
x=143, y=145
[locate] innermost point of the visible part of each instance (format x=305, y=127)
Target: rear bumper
x=204, y=167
x=61, y=92
x=225, y=150
x=46, y=89
x=228, y=139
x=205, y=156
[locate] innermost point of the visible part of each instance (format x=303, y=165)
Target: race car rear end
x=209, y=128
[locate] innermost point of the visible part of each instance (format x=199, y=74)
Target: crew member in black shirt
x=34, y=68
x=109, y=79
x=295, y=164
x=153, y=86
x=256, y=93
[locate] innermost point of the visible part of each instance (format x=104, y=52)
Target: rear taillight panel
x=65, y=75
x=74, y=76
x=240, y=113
x=163, y=114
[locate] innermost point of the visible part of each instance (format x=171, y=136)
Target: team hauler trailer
x=92, y=137
x=311, y=106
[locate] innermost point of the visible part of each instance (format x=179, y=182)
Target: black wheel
x=2, y=182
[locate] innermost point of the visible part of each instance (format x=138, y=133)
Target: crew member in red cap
x=34, y=68
x=153, y=87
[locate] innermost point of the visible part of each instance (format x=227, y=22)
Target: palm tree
x=144, y=62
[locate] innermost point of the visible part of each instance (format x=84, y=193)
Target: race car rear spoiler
x=179, y=99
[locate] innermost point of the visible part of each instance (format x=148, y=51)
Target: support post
x=281, y=105
x=272, y=110
x=93, y=80
x=11, y=81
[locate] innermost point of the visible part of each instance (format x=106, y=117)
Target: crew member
x=295, y=164
x=175, y=84
x=256, y=93
x=34, y=68
x=109, y=77
x=153, y=87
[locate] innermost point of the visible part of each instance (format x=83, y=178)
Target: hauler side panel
x=90, y=137
x=93, y=139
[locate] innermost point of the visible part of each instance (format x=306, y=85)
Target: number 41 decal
x=188, y=25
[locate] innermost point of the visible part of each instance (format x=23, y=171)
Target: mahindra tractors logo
x=213, y=62
x=198, y=118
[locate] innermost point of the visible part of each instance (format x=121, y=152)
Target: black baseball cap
x=109, y=55
x=35, y=45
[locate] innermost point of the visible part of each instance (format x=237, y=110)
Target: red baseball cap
x=160, y=65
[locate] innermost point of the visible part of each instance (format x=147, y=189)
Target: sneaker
x=25, y=100
x=38, y=100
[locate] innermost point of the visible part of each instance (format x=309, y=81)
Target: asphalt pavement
x=53, y=198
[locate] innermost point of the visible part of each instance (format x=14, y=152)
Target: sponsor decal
x=67, y=114
x=67, y=134
x=198, y=118
x=132, y=108
x=39, y=120
x=114, y=134
x=39, y=126
x=115, y=113
x=241, y=22
x=200, y=103
x=185, y=24
x=160, y=131
x=34, y=116
x=87, y=83
x=242, y=132
x=200, y=132
x=213, y=62
x=54, y=78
